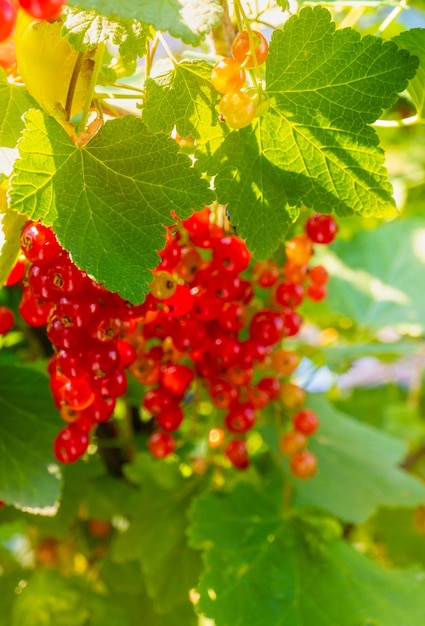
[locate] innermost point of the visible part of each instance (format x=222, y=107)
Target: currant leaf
x=87, y=29
x=27, y=415
x=347, y=450
x=188, y=20
x=313, y=577
x=184, y=98
x=157, y=534
x=14, y=101
x=125, y=183
x=316, y=139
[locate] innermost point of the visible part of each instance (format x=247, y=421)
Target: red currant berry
x=7, y=320
x=240, y=418
x=319, y=275
x=237, y=453
x=304, y=464
x=292, y=442
x=70, y=444
x=39, y=243
x=241, y=48
x=176, y=378
x=17, y=273
x=7, y=19
x=161, y=444
x=170, y=419
x=289, y=294
x=321, y=228
x=42, y=9
x=317, y=293
x=223, y=394
x=305, y=422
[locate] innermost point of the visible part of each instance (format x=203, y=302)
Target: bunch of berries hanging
x=240, y=104
x=200, y=326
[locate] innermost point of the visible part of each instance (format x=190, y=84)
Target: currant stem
x=167, y=48
x=407, y=121
x=392, y=16
x=98, y=59
x=73, y=84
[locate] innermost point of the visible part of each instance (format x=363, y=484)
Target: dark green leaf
x=157, y=532
x=28, y=424
x=265, y=569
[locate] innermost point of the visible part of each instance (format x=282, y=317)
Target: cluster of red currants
x=39, y=9
x=205, y=324
x=239, y=106
x=85, y=324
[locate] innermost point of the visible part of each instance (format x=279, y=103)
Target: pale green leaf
x=190, y=20
x=10, y=231
x=375, y=276
x=87, y=29
x=14, y=101
x=110, y=200
x=182, y=97
x=358, y=468
x=29, y=423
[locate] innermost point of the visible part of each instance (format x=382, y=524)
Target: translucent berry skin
x=39, y=243
x=7, y=19
x=292, y=442
x=303, y=465
x=42, y=9
x=240, y=418
x=7, y=320
x=170, y=419
x=305, y=422
x=237, y=453
x=227, y=75
x=70, y=444
x=161, y=444
x=241, y=50
x=321, y=228
x=237, y=109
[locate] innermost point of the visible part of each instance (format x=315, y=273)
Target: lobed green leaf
x=109, y=201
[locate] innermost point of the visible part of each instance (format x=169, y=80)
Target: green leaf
x=87, y=29
x=182, y=97
x=10, y=231
x=375, y=276
x=314, y=145
x=28, y=424
x=262, y=199
x=108, y=201
x=48, y=600
x=190, y=20
x=262, y=568
x=127, y=586
x=413, y=40
x=157, y=532
x=14, y=101
x=358, y=468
